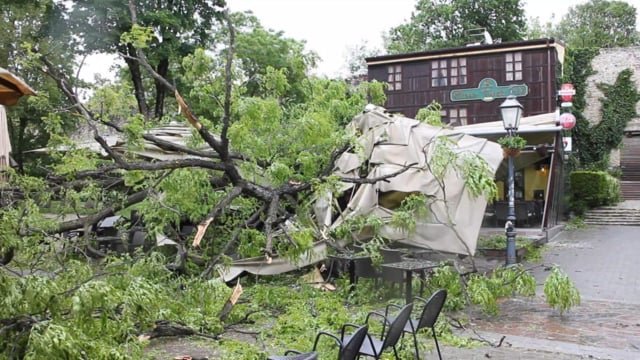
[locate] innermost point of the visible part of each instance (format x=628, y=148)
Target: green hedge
x=590, y=189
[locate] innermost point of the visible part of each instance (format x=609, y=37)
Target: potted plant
x=512, y=144
x=494, y=247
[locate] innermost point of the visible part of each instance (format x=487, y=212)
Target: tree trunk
x=163, y=70
x=136, y=79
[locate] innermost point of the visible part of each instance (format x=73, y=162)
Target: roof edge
x=549, y=42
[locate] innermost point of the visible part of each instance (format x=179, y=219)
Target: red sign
x=566, y=92
x=567, y=121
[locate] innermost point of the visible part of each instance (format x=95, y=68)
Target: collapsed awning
x=391, y=143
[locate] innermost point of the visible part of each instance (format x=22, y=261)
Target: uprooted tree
x=259, y=146
x=264, y=140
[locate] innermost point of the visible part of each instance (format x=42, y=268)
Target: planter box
x=501, y=254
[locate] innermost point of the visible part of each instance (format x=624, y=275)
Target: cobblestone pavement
x=593, y=323
x=602, y=263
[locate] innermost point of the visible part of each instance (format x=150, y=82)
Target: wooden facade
x=471, y=82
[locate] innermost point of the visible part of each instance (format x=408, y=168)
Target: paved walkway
x=602, y=262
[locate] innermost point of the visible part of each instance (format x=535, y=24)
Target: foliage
x=478, y=177
x=446, y=277
x=431, y=114
x=470, y=167
x=355, y=59
x=438, y=24
x=560, y=292
x=593, y=189
x=84, y=312
x=576, y=70
x=598, y=24
x=500, y=242
x=486, y=290
x=575, y=223
x=414, y=206
x=168, y=30
x=259, y=49
x=512, y=142
x=538, y=30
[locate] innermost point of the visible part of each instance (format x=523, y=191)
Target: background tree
x=445, y=23
x=599, y=23
x=177, y=28
x=536, y=29
x=355, y=59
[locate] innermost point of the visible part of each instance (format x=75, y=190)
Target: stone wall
x=607, y=65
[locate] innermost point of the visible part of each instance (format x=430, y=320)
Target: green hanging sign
x=488, y=90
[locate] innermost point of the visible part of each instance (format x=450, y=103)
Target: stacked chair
x=388, y=339
x=428, y=317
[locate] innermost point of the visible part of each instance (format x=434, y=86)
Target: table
x=349, y=258
x=410, y=266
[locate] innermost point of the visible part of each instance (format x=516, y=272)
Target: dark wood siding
x=538, y=73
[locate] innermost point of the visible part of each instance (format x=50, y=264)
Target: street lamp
x=511, y=111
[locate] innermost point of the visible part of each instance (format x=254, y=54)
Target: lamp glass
x=511, y=111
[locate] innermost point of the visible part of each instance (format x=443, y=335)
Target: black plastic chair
x=428, y=317
x=374, y=347
x=349, y=346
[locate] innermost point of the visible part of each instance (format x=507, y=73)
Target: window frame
x=513, y=66
x=439, y=73
x=458, y=71
x=394, y=77
x=449, y=72
x=459, y=117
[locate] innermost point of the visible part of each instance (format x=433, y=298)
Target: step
x=613, y=220
x=610, y=216
x=613, y=212
x=612, y=223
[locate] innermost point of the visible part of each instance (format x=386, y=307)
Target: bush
x=591, y=189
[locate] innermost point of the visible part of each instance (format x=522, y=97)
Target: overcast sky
x=332, y=27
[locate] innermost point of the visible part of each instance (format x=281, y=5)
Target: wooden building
x=470, y=83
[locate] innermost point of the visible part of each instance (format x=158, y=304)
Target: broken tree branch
x=268, y=226
x=223, y=203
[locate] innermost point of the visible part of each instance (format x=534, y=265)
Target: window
x=458, y=116
x=458, y=71
x=439, y=73
x=513, y=66
x=445, y=72
x=394, y=77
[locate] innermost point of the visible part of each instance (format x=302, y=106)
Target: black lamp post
x=511, y=111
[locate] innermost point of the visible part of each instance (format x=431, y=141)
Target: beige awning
x=12, y=88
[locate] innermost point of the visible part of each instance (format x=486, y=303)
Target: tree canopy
x=599, y=23
x=439, y=24
x=593, y=24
